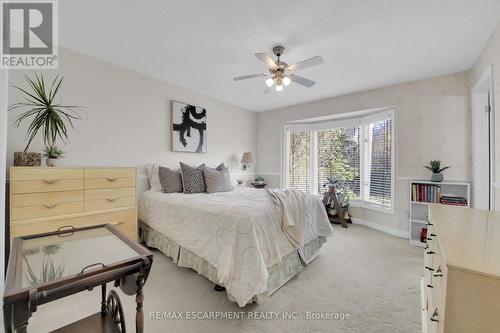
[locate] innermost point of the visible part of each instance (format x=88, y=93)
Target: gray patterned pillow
x=192, y=179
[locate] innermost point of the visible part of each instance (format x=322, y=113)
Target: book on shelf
x=426, y=193
x=453, y=200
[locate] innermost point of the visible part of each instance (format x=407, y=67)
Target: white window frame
x=365, y=137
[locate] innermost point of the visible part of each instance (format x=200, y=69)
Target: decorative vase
x=27, y=159
x=51, y=162
x=437, y=177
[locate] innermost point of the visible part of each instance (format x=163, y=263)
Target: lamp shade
x=247, y=158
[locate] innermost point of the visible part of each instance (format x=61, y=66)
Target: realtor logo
x=29, y=34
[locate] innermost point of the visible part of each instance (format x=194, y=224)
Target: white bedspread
x=239, y=232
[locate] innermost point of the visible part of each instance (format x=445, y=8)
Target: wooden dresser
x=461, y=282
x=46, y=199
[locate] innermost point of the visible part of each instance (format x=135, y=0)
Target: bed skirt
x=279, y=274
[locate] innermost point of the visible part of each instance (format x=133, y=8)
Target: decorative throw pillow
x=192, y=179
x=154, y=177
x=217, y=180
x=171, y=181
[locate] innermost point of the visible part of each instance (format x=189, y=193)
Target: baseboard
x=380, y=227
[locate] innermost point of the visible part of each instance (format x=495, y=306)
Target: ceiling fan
x=280, y=73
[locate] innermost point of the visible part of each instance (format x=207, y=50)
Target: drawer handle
x=51, y=206
x=428, y=238
x=117, y=223
x=429, y=223
x=431, y=252
x=435, y=316
x=430, y=286
x=433, y=235
x=50, y=181
x=429, y=268
x=70, y=231
x=111, y=179
x=438, y=273
x=111, y=199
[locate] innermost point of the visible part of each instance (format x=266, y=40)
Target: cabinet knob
x=50, y=181
x=111, y=199
x=111, y=179
x=438, y=273
x=435, y=316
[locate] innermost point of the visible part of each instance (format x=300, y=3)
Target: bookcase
x=424, y=193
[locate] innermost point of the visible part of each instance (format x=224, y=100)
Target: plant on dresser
x=46, y=199
x=50, y=118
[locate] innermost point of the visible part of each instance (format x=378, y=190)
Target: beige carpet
x=369, y=275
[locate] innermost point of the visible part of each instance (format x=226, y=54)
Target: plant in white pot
x=435, y=167
x=47, y=116
x=52, y=154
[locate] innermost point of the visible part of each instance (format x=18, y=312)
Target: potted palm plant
x=435, y=167
x=47, y=116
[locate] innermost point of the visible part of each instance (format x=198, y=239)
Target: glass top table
x=46, y=267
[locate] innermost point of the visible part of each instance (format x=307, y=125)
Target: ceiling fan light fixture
x=279, y=87
x=286, y=81
x=270, y=82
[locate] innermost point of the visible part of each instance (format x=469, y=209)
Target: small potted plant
x=258, y=180
x=52, y=154
x=435, y=167
x=47, y=116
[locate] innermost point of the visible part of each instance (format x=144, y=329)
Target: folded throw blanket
x=293, y=204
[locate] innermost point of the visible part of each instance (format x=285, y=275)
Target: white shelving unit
x=419, y=210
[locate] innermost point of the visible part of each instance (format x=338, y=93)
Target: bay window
x=358, y=151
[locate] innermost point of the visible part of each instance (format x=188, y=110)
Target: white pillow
x=154, y=176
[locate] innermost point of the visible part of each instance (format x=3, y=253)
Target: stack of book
x=426, y=193
x=453, y=200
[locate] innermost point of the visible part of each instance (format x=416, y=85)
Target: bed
x=235, y=239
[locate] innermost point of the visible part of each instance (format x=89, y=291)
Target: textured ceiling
x=202, y=44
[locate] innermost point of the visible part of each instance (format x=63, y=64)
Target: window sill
x=372, y=206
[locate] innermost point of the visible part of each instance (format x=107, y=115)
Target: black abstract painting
x=189, y=128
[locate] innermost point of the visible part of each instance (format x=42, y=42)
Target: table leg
x=139, y=299
x=104, y=307
x=21, y=316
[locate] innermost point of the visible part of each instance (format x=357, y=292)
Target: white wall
x=432, y=120
x=490, y=55
x=127, y=119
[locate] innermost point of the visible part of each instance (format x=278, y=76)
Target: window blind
x=339, y=157
x=380, y=162
x=299, y=161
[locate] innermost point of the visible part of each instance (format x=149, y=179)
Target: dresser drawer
x=110, y=173
x=110, y=182
x=123, y=220
x=23, y=174
x=46, y=185
x=109, y=203
x=51, y=198
x=110, y=193
x=46, y=210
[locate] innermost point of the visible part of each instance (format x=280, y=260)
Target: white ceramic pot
x=51, y=162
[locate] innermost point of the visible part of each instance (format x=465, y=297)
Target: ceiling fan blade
x=302, y=81
x=268, y=90
x=246, y=77
x=267, y=60
x=317, y=60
